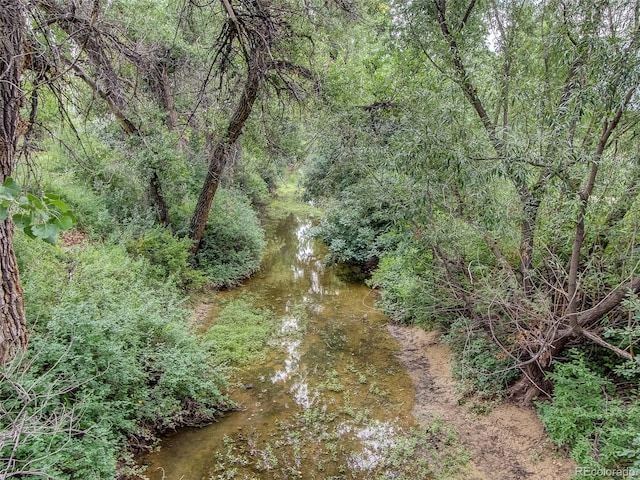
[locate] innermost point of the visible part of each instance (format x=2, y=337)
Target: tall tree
x=252, y=25
x=13, y=329
x=255, y=46
x=552, y=87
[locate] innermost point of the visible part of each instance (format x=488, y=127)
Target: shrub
x=89, y=208
x=114, y=348
x=356, y=230
x=601, y=431
x=233, y=241
x=168, y=257
x=254, y=183
x=410, y=290
x=484, y=369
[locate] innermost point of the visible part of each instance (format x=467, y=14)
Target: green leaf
x=45, y=231
x=4, y=213
x=27, y=229
x=66, y=221
x=10, y=188
x=22, y=221
x=52, y=240
x=57, y=203
x=35, y=202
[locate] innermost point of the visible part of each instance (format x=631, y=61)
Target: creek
x=329, y=400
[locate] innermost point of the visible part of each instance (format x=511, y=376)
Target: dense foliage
x=598, y=424
x=233, y=241
x=477, y=162
x=112, y=362
x=497, y=142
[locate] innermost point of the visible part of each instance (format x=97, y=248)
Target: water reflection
x=301, y=392
x=327, y=398
x=291, y=363
x=376, y=439
x=305, y=250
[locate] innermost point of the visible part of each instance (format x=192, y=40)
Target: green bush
x=599, y=429
x=410, y=290
x=233, y=242
x=94, y=218
x=351, y=231
x=168, y=257
x=483, y=368
x=253, y=183
x=115, y=348
x=356, y=229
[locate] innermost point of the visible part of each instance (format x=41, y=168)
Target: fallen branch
x=603, y=343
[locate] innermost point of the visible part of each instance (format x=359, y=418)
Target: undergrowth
x=233, y=242
x=481, y=367
x=112, y=362
x=597, y=423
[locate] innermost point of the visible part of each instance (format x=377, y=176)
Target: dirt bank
x=509, y=443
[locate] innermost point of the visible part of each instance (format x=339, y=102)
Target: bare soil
x=508, y=443
x=69, y=238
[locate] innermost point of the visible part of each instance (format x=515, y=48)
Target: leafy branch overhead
x=42, y=218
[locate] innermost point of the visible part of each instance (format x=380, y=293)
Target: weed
x=332, y=383
x=241, y=332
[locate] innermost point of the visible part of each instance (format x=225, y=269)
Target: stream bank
x=507, y=443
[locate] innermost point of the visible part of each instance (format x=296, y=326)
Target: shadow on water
x=330, y=400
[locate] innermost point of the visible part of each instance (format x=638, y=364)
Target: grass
x=242, y=332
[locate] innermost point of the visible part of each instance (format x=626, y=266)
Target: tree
x=234, y=53
x=253, y=30
x=99, y=40
x=13, y=328
x=504, y=146
x=552, y=87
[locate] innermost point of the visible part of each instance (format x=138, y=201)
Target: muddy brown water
x=330, y=396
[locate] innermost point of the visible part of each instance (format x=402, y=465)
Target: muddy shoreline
x=508, y=443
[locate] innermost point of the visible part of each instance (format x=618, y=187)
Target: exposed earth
x=508, y=443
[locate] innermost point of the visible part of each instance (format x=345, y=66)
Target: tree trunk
x=13, y=325
x=530, y=206
x=165, y=94
x=222, y=153
x=157, y=198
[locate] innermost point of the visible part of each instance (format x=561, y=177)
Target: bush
x=114, y=349
x=89, y=208
x=168, y=257
x=253, y=182
x=601, y=431
x=410, y=289
x=484, y=369
x=233, y=242
x=355, y=229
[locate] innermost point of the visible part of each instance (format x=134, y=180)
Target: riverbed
x=330, y=399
